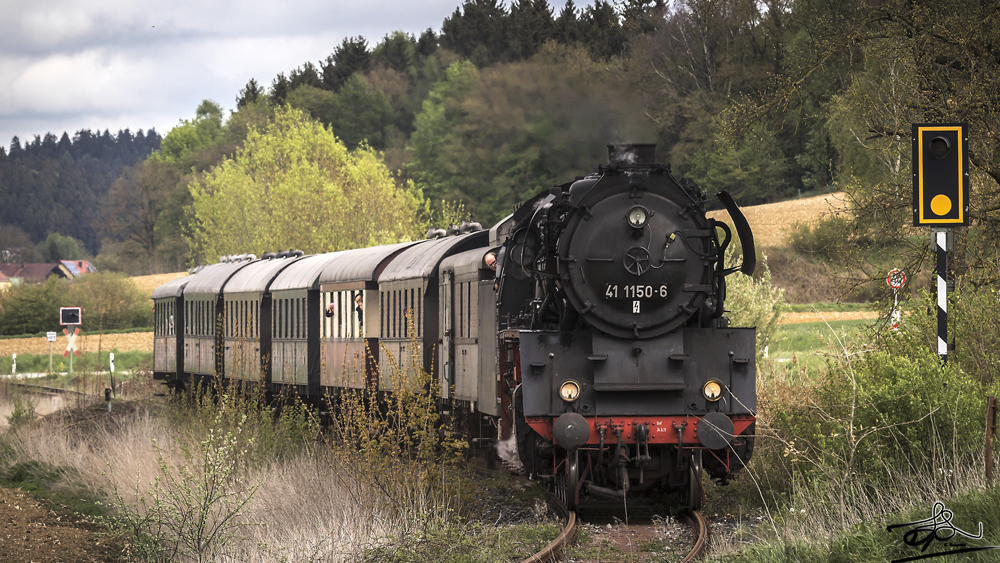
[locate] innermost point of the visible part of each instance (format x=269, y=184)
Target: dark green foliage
x=497, y=136
x=530, y=27
x=361, y=113
x=55, y=185
x=397, y=51
x=477, y=31
x=606, y=38
x=427, y=43
x=16, y=246
x=566, y=28
x=279, y=89
x=306, y=75
x=351, y=56
x=249, y=94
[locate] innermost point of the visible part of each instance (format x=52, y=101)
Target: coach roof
x=212, y=278
x=173, y=288
x=256, y=277
x=363, y=264
x=422, y=261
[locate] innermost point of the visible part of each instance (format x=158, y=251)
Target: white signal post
x=51, y=337
x=111, y=376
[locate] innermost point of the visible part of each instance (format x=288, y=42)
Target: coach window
x=297, y=327
x=392, y=314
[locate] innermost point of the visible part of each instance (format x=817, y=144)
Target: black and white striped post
x=941, y=242
x=941, y=199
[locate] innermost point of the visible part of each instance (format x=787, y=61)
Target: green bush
x=753, y=302
x=827, y=239
x=888, y=406
x=109, y=301
x=893, y=410
x=27, y=308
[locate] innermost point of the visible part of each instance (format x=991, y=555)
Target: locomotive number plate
x=618, y=291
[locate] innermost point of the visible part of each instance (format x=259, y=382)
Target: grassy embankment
x=222, y=475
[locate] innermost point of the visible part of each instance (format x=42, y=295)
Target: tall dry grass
x=311, y=506
x=281, y=489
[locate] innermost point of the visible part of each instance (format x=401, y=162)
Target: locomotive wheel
x=696, y=490
x=572, y=479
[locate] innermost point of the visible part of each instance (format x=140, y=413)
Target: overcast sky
x=67, y=65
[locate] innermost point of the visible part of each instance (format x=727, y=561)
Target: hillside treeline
x=59, y=185
x=765, y=99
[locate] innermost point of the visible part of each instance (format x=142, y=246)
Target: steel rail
x=700, y=526
x=551, y=551
x=53, y=390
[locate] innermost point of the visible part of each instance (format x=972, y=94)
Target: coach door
x=447, y=335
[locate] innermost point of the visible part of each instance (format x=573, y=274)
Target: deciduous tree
x=294, y=185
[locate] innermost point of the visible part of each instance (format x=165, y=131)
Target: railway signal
x=940, y=175
x=70, y=316
x=941, y=198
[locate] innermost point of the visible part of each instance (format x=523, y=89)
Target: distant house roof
x=77, y=267
x=33, y=273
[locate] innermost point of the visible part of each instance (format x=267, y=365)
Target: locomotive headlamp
x=569, y=391
x=638, y=216
x=712, y=390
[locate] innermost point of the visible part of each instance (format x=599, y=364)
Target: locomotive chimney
x=643, y=154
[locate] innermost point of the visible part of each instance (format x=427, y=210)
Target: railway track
x=554, y=551
x=50, y=390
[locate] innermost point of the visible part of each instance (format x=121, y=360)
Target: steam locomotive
x=587, y=329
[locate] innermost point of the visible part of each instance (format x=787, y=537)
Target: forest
x=767, y=99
